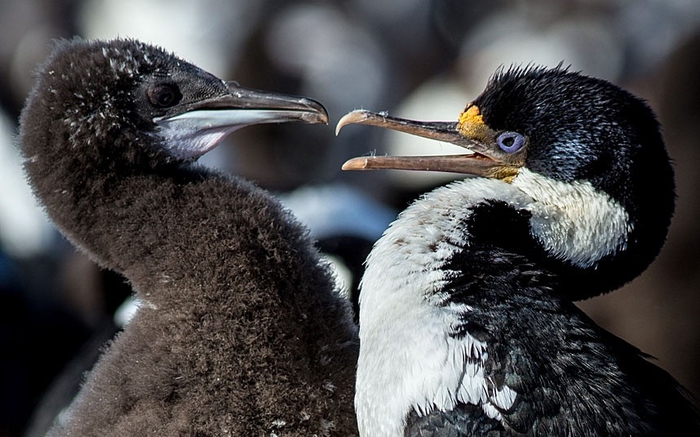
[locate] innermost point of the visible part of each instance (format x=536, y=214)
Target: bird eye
x=510, y=142
x=164, y=95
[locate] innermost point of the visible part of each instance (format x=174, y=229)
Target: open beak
x=200, y=126
x=479, y=159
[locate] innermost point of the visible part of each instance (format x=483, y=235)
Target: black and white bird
x=467, y=325
x=240, y=331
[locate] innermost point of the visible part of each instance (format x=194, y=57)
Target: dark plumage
x=240, y=331
x=467, y=321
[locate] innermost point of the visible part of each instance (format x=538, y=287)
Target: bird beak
x=469, y=132
x=247, y=106
x=200, y=126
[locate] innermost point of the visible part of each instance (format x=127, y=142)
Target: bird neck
x=451, y=255
x=579, y=238
x=180, y=225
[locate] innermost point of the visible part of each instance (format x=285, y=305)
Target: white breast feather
x=408, y=359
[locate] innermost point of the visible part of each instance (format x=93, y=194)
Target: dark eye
x=510, y=142
x=164, y=95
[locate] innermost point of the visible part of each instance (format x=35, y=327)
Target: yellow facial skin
x=471, y=125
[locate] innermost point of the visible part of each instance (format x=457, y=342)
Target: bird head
x=587, y=153
x=123, y=102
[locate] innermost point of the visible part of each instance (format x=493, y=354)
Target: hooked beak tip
x=355, y=117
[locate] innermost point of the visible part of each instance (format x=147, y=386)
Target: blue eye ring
x=510, y=142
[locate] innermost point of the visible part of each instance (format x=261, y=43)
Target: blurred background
x=414, y=58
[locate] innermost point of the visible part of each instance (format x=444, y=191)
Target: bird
x=239, y=330
x=467, y=321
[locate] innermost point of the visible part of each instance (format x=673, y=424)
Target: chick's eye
x=164, y=95
x=510, y=142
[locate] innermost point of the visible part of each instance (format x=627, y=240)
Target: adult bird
x=467, y=325
x=240, y=331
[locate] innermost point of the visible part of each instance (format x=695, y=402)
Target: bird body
x=467, y=321
x=484, y=329
x=240, y=331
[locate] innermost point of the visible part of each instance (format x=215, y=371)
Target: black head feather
x=108, y=94
x=581, y=128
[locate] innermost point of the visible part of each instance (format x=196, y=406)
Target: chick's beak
x=200, y=126
x=245, y=106
x=480, y=158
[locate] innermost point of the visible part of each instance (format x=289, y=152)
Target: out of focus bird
x=467, y=321
x=240, y=331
